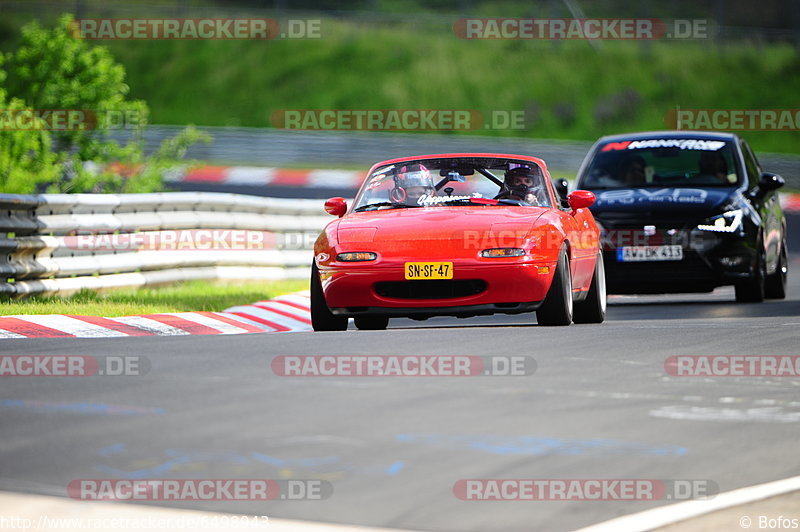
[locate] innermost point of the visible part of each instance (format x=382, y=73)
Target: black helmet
x=520, y=180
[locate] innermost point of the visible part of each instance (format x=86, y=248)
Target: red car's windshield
x=447, y=182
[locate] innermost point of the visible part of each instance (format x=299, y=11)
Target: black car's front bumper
x=710, y=259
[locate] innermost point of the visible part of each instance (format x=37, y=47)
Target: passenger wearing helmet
x=524, y=184
x=410, y=183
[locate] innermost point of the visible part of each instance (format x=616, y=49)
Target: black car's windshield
x=665, y=162
x=454, y=182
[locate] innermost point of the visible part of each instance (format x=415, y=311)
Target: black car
x=687, y=212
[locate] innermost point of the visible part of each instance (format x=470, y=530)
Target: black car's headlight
x=727, y=222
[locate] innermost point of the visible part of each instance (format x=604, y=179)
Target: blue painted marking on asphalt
x=81, y=408
x=112, y=449
x=177, y=458
x=303, y=462
x=163, y=467
x=271, y=460
x=395, y=467
x=534, y=445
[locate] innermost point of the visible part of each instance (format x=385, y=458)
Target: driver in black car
x=712, y=163
x=523, y=184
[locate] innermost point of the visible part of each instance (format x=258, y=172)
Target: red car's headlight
x=502, y=252
x=356, y=256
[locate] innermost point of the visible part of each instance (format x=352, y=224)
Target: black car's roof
x=646, y=135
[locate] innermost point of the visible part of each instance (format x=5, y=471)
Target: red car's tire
x=371, y=323
x=322, y=319
x=557, y=306
x=775, y=284
x=593, y=308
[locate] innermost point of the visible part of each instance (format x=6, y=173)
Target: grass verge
x=185, y=297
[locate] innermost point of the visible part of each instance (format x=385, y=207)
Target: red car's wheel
x=593, y=308
x=557, y=306
x=322, y=319
x=371, y=323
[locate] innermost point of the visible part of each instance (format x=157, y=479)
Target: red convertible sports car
x=458, y=234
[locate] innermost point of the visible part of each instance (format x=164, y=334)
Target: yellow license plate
x=429, y=270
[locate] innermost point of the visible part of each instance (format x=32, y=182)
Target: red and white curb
x=289, y=313
x=293, y=177
x=258, y=176
x=790, y=202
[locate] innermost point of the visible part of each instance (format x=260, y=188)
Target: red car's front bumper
x=508, y=287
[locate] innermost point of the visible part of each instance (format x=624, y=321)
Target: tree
x=54, y=69
x=25, y=155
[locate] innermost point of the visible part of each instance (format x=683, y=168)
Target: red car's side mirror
x=336, y=206
x=580, y=199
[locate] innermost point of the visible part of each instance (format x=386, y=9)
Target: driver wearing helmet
x=522, y=183
x=411, y=183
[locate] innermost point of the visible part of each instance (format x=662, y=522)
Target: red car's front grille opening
x=433, y=289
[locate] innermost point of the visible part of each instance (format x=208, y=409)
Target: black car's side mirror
x=562, y=187
x=769, y=182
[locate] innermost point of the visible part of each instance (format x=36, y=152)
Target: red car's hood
x=437, y=232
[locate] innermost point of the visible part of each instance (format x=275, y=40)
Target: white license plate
x=649, y=253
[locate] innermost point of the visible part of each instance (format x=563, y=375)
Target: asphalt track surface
x=600, y=405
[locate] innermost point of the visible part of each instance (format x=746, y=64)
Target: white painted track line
x=674, y=513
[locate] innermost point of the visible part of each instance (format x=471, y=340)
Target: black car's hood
x=662, y=202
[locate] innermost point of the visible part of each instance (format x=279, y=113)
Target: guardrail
x=63, y=243
x=270, y=147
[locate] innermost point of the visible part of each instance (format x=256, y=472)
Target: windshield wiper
x=372, y=206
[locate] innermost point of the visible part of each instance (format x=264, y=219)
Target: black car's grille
x=690, y=274
x=627, y=229
x=433, y=289
x=640, y=219
x=636, y=236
